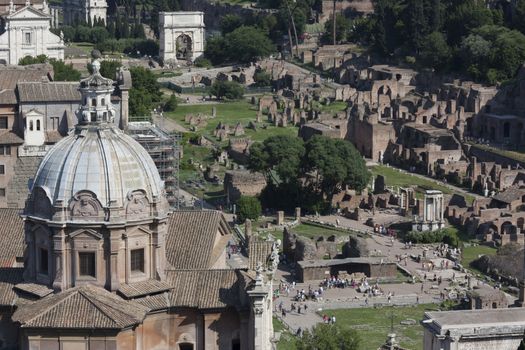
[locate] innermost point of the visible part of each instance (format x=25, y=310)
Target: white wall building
x=181, y=36
x=83, y=10
x=27, y=33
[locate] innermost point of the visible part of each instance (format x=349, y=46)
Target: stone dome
x=97, y=173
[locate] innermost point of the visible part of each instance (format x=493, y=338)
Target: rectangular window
x=55, y=121
x=137, y=260
x=27, y=38
x=2, y=192
x=3, y=123
x=44, y=261
x=86, y=264
x=2, y=169
x=5, y=150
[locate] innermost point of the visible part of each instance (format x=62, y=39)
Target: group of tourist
x=381, y=229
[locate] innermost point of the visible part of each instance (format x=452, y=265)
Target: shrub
x=202, y=62
x=171, y=104
x=248, y=208
x=227, y=89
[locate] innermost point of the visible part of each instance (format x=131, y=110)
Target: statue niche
x=85, y=205
x=138, y=205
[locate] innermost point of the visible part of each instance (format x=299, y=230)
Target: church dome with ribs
x=97, y=173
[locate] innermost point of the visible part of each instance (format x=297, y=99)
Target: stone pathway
x=403, y=293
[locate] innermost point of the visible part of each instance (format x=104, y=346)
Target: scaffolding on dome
x=164, y=148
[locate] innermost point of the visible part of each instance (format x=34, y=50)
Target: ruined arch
x=506, y=228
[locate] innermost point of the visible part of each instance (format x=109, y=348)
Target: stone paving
x=422, y=291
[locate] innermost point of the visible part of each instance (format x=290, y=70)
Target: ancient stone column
x=298, y=214
x=280, y=218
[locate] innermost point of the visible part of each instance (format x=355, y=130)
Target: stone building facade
x=27, y=33
x=181, y=36
x=87, y=11
x=496, y=329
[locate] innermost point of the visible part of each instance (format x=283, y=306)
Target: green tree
x=518, y=16
x=215, y=49
x=328, y=337
x=230, y=90
x=334, y=164
x=379, y=30
x=109, y=68
x=248, y=208
x=32, y=60
x=465, y=17
x=61, y=71
x=229, y=23
x=247, y=44
x=98, y=35
x=342, y=25
x=417, y=25
x=435, y=51
x=145, y=92
x=171, y=104
x=278, y=157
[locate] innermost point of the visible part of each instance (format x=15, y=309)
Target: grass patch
x=312, y=231
x=230, y=113
x=286, y=341
x=396, y=178
x=373, y=324
x=471, y=253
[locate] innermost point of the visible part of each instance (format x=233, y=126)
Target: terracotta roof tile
x=137, y=289
x=154, y=302
x=48, y=91
x=191, y=238
x=8, y=278
x=86, y=307
x=37, y=290
x=53, y=136
x=204, y=289
x=8, y=97
x=11, y=236
x=10, y=76
x=8, y=137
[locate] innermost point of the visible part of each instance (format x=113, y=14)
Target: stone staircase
x=18, y=188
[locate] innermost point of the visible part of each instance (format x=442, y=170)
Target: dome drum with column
x=97, y=211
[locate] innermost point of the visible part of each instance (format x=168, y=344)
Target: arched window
x=94, y=102
x=38, y=125
x=31, y=125
x=103, y=102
